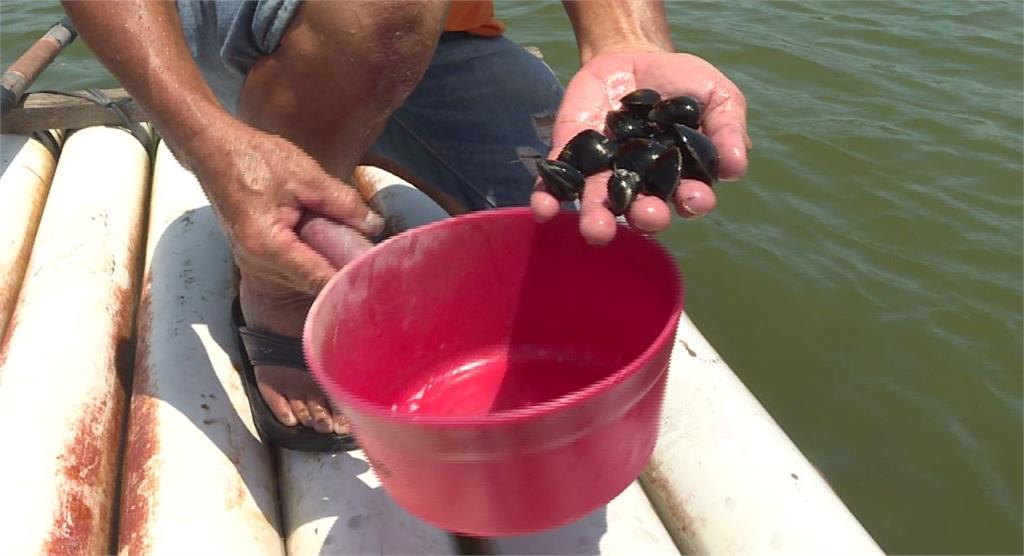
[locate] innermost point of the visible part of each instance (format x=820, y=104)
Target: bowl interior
x=488, y=313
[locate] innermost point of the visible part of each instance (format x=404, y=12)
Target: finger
x=725, y=122
x=338, y=243
x=544, y=205
x=581, y=109
x=585, y=105
x=732, y=144
x=694, y=199
x=343, y=203
x=597, y=223
x=649, y=214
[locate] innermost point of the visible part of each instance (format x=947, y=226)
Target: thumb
x=343, y=203
x=584, y=106
x=337, y=243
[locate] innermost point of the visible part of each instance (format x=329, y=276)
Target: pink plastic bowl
x=502, y=376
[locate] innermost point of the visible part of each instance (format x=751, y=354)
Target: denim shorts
x=474, y=126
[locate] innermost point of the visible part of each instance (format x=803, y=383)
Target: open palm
x=596, y=89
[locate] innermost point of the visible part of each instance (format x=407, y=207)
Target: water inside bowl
x=495, y=380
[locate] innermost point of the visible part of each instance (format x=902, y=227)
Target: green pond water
x=865, y=279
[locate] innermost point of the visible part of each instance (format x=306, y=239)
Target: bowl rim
x=349, y=399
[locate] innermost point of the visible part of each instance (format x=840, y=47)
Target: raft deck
x=128, y=429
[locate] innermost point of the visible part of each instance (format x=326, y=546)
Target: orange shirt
x=475, y=17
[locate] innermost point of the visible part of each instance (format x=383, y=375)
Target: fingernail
x=289, y=420
x=694, y=213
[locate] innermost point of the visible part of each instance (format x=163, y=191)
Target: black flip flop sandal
x=263, y=348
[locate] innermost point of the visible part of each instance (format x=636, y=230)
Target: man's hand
x=289, y=222
x=596, y=89
x=266, y=191
x=624, y=46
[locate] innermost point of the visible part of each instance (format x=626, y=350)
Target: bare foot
x=291, y=394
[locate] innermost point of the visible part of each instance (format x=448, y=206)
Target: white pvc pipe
x=196, y=478
x=63, y=365
x=727, y=480
x=26, y=169
x=333, y=503
x=403, y=205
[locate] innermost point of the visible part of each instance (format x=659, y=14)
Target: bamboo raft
x=127, y=429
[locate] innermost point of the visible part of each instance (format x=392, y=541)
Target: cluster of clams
x=652, y=144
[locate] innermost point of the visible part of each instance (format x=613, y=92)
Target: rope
x=145, y=137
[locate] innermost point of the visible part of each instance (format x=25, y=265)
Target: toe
x=322, y=419
x=279, y=406
x=341, y=425
x=301, y=411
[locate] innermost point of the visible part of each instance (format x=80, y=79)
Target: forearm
x=621, y=25
x=142, y=44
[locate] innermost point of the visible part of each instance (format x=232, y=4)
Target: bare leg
x=339, y=72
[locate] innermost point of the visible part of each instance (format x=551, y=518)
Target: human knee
x=382, y=47
x=340, y=70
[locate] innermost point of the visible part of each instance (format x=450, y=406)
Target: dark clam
x=624, y=125
x=640, y=102
x=666, y=138
x=677, y=110
x=636, y=155
x=662, y=177
x=700, y=158
x=623, y=187
x=589, y=152
x=561, y=180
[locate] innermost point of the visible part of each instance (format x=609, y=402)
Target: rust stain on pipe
x=76, y=529
x=88, y=464
x=138, y=483
x=82, y=462
x=678, y=522
x=82, y=524
x=141, y=446
x=70, y=534
x=12, y=324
